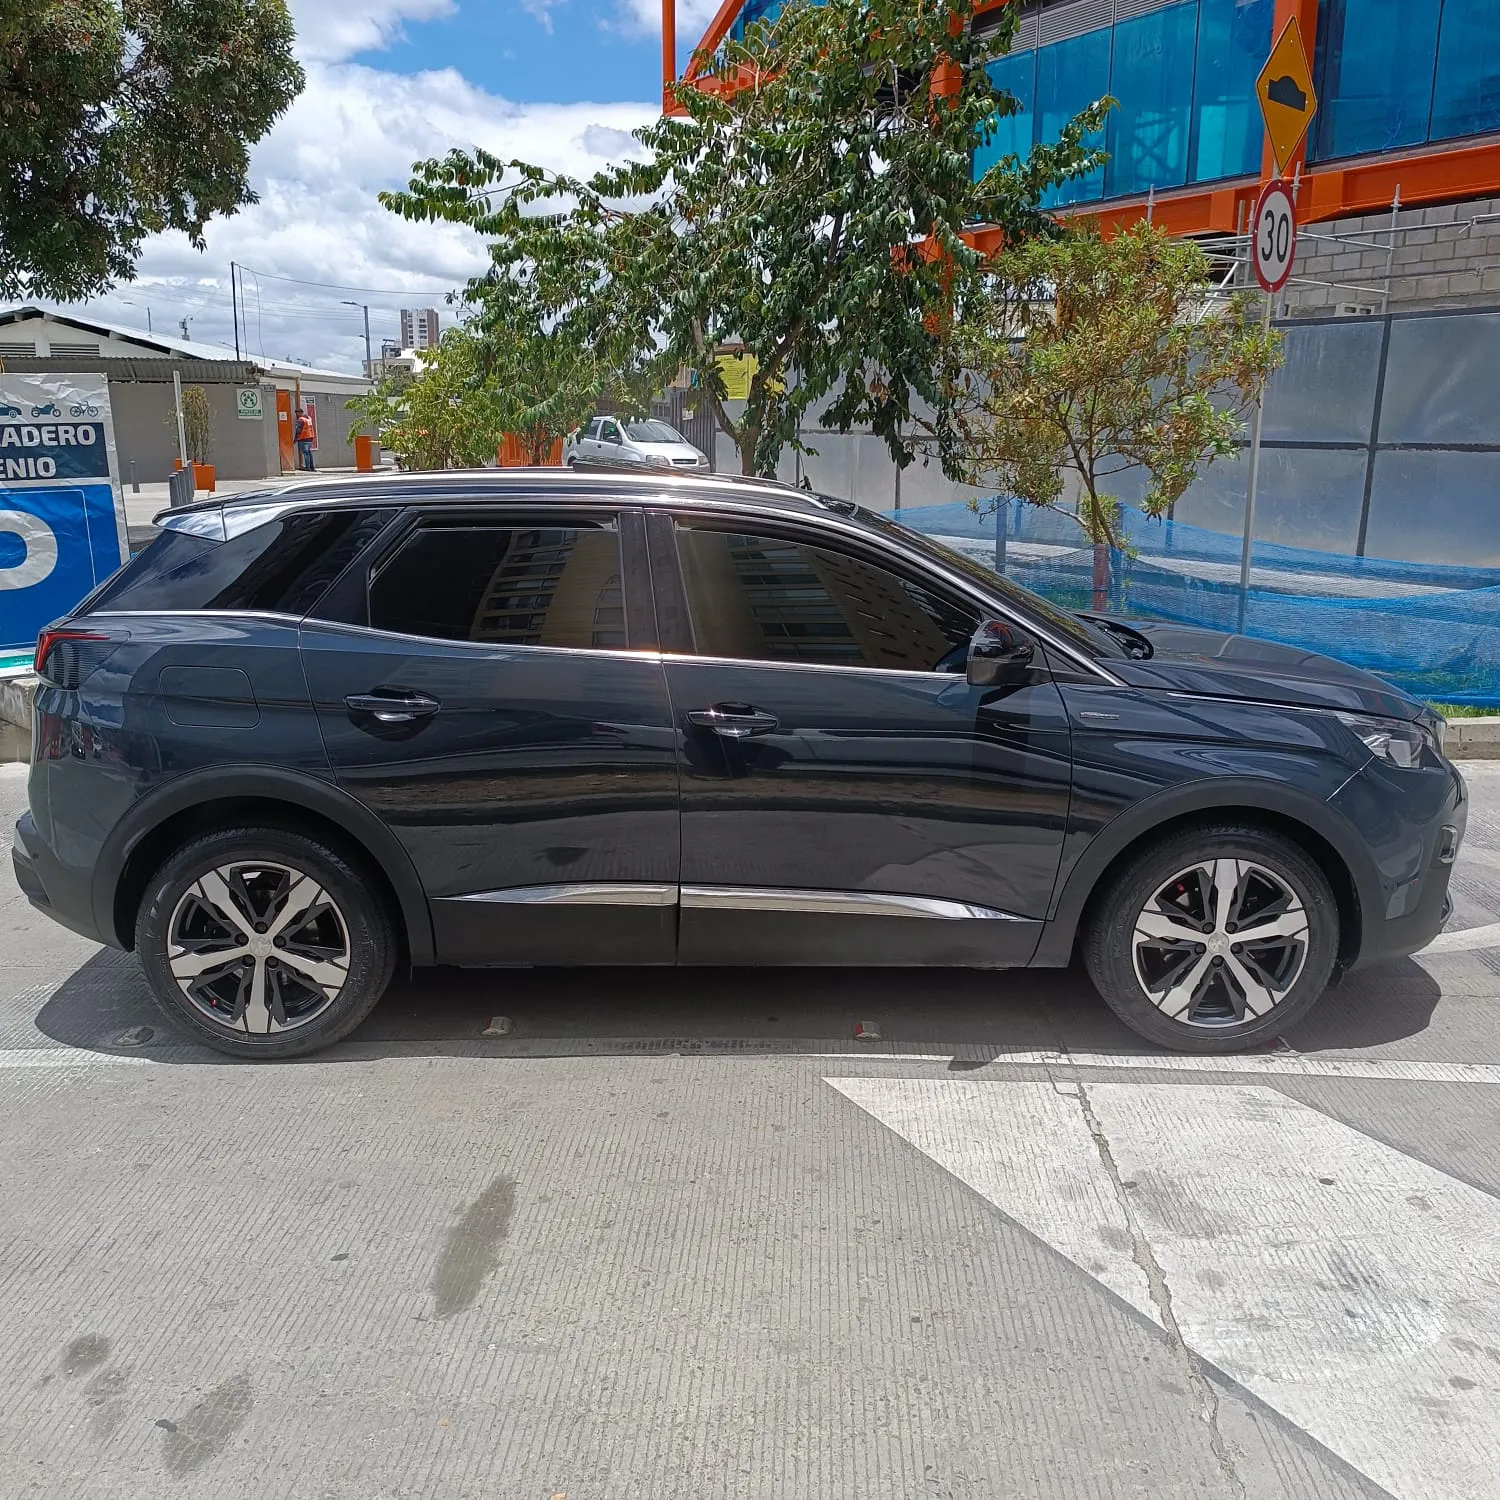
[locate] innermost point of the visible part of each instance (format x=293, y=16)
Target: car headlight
x=1398, y=742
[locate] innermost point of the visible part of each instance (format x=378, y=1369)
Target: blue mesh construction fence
x=1433, y=630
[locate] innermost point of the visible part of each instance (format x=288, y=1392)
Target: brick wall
x=1442, y=258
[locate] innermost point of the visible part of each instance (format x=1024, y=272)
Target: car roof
x=610, y=486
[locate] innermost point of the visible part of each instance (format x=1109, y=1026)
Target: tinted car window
x=761, y=598
x=284, y=566
x=517, y=586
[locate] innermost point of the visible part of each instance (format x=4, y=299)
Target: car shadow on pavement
x=971, y=1016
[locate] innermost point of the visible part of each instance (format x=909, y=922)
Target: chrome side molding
x=588, y=893
x=837, y=903
x=741, y=898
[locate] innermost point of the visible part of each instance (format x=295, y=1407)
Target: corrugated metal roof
x=15, y=317
x=128, y=367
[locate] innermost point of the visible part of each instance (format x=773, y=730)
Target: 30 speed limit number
x=1274, y=235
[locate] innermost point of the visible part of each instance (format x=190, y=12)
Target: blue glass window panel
x=1152, y=79
x=1374, y=75
x=1466, y=99
x=1234, y=40
x=1012, y=136
x=1070, y=76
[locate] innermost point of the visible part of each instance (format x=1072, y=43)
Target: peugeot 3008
x=310, y=735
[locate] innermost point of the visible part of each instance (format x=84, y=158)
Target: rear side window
x=507, y=585
x=283, y=567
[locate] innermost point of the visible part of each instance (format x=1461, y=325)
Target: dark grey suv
x=311, y=735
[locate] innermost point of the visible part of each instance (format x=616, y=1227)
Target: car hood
x=1217, y=664
x=668, y=451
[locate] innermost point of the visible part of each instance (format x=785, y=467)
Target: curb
x=1473, y=739
x=1467, y=739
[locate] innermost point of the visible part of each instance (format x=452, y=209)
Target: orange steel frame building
x=1425, y=173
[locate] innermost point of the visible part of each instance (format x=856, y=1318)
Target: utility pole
x=369, y=358
x=234, y=303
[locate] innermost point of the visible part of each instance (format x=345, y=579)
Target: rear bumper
x=1413, y=830
x=48, y=886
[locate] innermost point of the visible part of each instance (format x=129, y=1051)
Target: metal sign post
x=1254, y=482
x=1287, y=103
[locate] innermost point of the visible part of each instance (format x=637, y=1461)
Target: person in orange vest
x=303, y=436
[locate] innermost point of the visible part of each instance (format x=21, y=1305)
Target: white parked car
x=634, y=442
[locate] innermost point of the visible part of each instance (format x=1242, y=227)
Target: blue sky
x=570, y=51
x=558, y=82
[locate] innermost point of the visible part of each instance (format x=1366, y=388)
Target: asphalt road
x=679, y=1235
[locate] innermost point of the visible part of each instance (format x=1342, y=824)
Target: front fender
x=1221, y=795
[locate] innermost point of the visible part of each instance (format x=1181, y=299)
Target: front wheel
x=1215, y=939
x=263, y=942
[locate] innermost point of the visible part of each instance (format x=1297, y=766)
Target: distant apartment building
x=419, y=328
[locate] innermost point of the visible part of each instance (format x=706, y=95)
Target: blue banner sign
x=62, y=513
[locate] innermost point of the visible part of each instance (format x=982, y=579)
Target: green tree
x=197, y=423
x=451, y=416
x=1081, y=358
x=123, y=118
x=546, y=379
x=809, y=205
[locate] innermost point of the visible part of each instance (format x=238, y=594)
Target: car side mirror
x=999, y=655
x=612, y=436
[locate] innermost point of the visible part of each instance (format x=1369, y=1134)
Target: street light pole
x=369, y=358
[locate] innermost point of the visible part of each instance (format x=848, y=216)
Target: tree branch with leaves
x=809, y=206
x=1079, y=358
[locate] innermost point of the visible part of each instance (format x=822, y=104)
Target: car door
x=847, y=796
x=489, y=686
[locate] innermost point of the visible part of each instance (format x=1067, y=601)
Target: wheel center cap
x=1218, y=945
x=260, y=946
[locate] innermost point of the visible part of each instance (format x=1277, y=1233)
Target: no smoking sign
x=1273, y=235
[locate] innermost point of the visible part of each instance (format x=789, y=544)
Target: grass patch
x=1463, y=711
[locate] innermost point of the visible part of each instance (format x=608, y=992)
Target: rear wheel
x=1214, y=939
x=263, y=942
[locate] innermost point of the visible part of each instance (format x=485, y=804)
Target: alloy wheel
x=258, y=947
x=1222, y=942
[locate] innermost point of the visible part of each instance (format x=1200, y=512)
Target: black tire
x=359, y=916
x=1112, y=946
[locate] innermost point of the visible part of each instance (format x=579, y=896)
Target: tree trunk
x=1101, y=577
x=748, y=444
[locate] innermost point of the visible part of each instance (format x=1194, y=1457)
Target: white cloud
x=354, y=131
x=541, y=12
x=693, y=17
x=330, y=31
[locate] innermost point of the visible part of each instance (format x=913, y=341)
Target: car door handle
x=735, y=721
x=393, y=708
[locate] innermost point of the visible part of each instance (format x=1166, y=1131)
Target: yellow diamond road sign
x=1286, y=94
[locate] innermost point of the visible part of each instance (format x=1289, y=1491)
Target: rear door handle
x=393, y=707
x=735, y=721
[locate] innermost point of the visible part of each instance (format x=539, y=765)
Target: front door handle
x=393, y=707
x=735, y=721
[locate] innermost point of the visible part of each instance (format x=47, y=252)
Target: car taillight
x=48, y=641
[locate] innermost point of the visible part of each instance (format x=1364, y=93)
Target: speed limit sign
x=1273, y=235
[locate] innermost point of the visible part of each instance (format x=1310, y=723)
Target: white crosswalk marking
x=1350, y=1287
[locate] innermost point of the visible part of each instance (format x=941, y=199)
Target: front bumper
x=1412, y=824
x=48, y=886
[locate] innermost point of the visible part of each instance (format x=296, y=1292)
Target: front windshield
x=651, y=431
x=1077, y=632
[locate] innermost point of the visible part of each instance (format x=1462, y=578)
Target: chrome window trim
x=584, y=893
x=836, y=903
x=312, y=622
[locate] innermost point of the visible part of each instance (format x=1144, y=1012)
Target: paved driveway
x=679, y=1235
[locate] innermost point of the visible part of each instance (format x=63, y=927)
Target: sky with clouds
x=558, y=82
